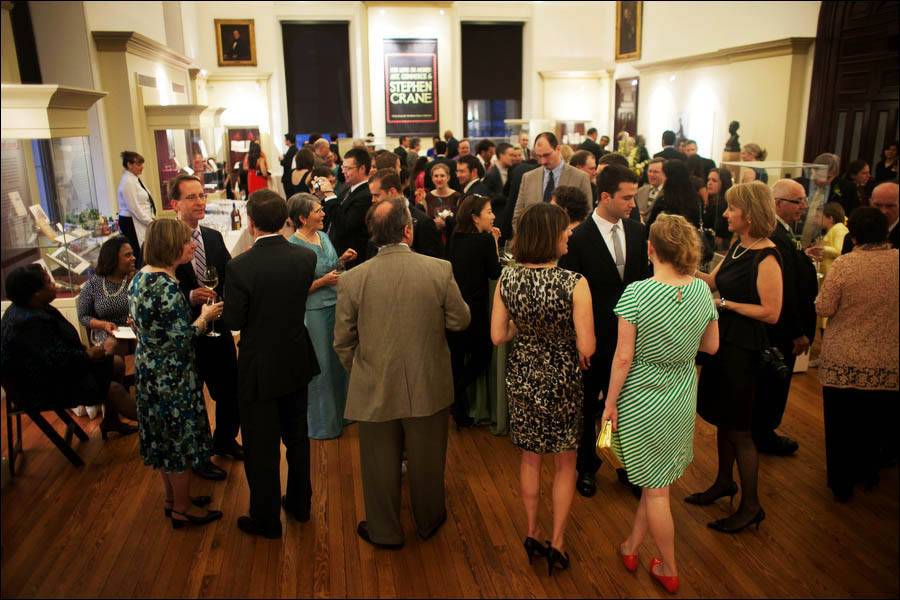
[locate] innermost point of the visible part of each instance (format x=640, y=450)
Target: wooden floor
x=99, y=530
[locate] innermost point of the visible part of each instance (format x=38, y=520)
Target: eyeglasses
x=414, y=222
x=794, y=200
x=195, y=197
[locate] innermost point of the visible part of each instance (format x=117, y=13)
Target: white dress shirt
x=134, y=202
x=605, y=228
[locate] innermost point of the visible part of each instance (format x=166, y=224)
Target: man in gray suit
x=389, y=334
x=538, y=184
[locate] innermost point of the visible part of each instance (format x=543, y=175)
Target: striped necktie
x=199, y=256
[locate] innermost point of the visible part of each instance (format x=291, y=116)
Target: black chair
x=63, y=443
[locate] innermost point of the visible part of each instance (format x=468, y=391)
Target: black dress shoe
x=231, y=449
x=248, y=525
x=298, y=515
x=434, y=529
x=623, y=479
x=210, y=471
x=362, y=530
x=586, y=484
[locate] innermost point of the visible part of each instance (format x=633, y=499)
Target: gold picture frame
x=629, y=15
x=235, y=51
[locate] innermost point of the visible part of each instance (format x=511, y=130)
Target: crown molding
x=132, y=42
x=782, y=47
x=45, y=111
x=174, y=116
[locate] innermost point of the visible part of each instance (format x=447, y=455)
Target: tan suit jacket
x=389, y=333
x=532, y=190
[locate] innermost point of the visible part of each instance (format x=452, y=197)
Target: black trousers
x=126, y=227
x=217, y=364
x=772, y=395
x=858, y=423
x=265, y=424
x=596, y=380
x=470, y=356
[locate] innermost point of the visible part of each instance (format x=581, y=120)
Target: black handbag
x=707, y=240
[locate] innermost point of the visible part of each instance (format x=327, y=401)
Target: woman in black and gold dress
x=548, y=311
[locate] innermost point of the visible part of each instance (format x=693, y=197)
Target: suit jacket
x=401, y=152
x=389, y=333
x=347, y=219
x=800, y=287
x=642, y=199
x=286, y=168
x=426, y=237
x=669, y=152
x=493, y=181
x=452, y=147
x=479, y=188
x=216, y=256
x=589, y=256
x=511, y=193
x=454, y=182
x=265, y=292
x=532, y=191
x=592, y=147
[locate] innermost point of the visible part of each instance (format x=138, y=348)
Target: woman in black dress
x=718, y=182
x=678, y=195
x=473, y=252
x=750, y=288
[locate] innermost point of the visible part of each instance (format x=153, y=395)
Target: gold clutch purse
x=604, y=446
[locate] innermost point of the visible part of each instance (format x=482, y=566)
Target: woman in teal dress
x=652, y=400
x=172, y=421
x=328, y=389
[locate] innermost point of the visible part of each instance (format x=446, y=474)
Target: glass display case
x=50, y=212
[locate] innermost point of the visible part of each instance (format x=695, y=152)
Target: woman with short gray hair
x=328, y=389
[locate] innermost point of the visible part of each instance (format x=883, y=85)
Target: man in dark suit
x=468, y=173
x=585, y=161
x=796, y=326
x=239, y=49
x=884, y=198
x=263, y=288
x=347, y=213
x=511, y=192
x=590, y=144
x=610, y=250
x=286, y=161
x=440, y=149
x=669, y=152
x=216, y=358
x=452, y=145
x=385, y=184
x=401, y=149
x=690, y=149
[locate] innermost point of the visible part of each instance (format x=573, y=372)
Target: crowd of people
x=599, y=291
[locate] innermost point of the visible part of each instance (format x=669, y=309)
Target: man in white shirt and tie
x=650, y=191
x=610, y=250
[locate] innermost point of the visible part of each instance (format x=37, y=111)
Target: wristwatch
x=722, y=302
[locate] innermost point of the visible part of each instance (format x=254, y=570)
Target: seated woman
x=103, y=300
x=41, y=351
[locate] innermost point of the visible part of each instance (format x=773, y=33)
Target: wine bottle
x=235, y=218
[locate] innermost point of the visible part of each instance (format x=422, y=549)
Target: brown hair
x=676, y=242
x=755, y=201
x=387, y=179
x=537, y=234
x=175, y=185
x=129, y=157
x=468, y=209
x=756, y=150
x=835, y=212
x=165, y=241
x=440, y=165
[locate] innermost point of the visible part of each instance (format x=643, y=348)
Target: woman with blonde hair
x=652, y=398
x=749, y=284
x=172, y=420
x=751, y=153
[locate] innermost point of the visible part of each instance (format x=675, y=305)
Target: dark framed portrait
x=628, y=29
x=235, y=43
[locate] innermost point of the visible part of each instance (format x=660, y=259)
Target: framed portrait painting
x=628, y=29
x=235, y=43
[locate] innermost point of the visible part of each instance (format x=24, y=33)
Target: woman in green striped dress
x=663, y=321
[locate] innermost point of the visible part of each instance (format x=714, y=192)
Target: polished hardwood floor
x=99, y=530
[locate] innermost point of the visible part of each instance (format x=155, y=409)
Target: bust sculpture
x=733, y=144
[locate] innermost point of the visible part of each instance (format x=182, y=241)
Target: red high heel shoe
x=667, y=581
x=629, y=560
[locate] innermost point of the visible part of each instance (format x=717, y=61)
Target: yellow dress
x=832, y=244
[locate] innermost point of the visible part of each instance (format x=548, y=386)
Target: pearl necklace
x=117, y=292
x=735, y=255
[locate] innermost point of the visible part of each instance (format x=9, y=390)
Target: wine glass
x=341, y=267
x=97, y=336
x=210, y=280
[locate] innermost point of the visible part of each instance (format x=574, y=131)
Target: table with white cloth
x=218, y=217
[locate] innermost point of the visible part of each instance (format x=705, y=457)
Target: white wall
x=146, y=18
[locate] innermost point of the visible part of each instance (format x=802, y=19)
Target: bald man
x=796, y=327
x=886, y=198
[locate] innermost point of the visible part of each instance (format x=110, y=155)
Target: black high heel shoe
x=556, y=558
x=534, y=548
x=706, y=498
x=209, y=517
x=198, y=501
x=721, y=525
x=119, y=427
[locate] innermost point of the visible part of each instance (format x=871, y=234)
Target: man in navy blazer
x=593, y=249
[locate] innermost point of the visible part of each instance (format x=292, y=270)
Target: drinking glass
x=98, y=336
x=210, y=280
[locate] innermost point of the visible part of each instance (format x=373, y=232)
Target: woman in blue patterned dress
x=174, y=428
x=328, y=389
x=653, y=386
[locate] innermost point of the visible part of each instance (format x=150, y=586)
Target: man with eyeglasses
x=347, y=214
x=796, y=326
x=216, y=356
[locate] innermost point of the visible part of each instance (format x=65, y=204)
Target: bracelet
x=200, y=323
